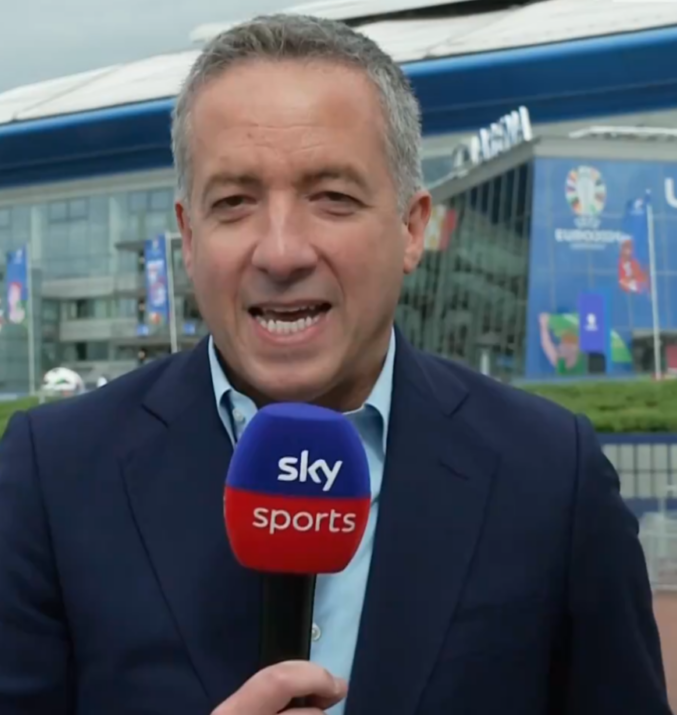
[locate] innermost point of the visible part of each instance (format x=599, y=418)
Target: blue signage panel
x=592, y=321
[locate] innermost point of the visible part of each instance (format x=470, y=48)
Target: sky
x=44, y=39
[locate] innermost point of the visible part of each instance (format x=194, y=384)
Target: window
x=50, y=311
x=76, y=238
x=125, y=353
x=127, y=308
x=148, y=214
x=86, y=352
x=77, y=209
x=57, y=212
x=161, y=200
x=189, y=309
x=97, y=350
x=86, y=309
x=101, y=308
x=49, y=355
x=63, y=211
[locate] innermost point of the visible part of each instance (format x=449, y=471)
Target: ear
x=183, y=221
x=416, y=221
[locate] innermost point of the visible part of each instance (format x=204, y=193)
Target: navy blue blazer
x=507, y=576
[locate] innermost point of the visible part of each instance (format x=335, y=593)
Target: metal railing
x=658, y=536
x=647, y=466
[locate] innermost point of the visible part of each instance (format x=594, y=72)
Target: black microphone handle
x=286, y=620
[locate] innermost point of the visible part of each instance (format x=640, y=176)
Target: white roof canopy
x=406, y=39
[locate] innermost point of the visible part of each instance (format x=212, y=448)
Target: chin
x=293, y=386
x=301, y=392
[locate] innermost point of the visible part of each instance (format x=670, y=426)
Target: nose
x=284, y=251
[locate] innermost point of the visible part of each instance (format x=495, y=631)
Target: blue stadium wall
x=589, y=234
x=571, y=80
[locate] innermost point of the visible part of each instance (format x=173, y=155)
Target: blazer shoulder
x=495, y=400
x=104, y=409
x=532, y=436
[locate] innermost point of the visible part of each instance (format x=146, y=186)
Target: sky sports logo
x=331, y=522
x=293, y=469
x=301, y=469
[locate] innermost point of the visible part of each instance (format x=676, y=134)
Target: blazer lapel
x=436, y=483
x=175, y=477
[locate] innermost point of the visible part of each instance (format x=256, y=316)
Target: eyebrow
x=227, y=177
x=335, y=172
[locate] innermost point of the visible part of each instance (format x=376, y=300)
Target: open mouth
x=288, y=320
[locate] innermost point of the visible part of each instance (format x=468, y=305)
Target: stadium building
x=548, y=149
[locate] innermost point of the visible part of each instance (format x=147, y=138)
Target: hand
x=272, y=689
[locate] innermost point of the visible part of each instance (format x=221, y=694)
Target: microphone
x=296, y=504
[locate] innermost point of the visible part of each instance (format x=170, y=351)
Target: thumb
x=324, y=702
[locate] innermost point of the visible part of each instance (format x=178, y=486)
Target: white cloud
x=43, y=39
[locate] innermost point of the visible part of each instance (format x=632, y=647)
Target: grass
x=7, y=409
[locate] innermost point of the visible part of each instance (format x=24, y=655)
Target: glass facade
x=84, y=245
x=467, y=300
x=508, y=256
x=79, y=237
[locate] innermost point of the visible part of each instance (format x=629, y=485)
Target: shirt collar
x=379, y=399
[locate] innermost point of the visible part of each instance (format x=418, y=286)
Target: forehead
x=292, y=111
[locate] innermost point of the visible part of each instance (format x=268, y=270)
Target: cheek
x=214, y=268
x=370, y=264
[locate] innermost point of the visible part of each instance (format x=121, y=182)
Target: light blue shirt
x=338, y=597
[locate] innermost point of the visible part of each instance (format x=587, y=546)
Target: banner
x=16, y=279
x=594, y=332
x=633, y=258
x=157, y=294
x=591, y=220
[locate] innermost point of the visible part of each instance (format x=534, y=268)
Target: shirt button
x=238, y=417
x=315, y=633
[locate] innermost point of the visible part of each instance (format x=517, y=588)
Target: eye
x=337, y=203
x=231, y=202
x=336, y=197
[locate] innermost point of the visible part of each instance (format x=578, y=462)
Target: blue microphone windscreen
x=300, y=450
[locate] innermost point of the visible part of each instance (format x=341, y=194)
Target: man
x=500, y=571
x=632, y=278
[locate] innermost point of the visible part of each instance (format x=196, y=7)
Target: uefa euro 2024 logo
x=586, y=193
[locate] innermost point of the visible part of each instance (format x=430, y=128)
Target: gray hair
x=279, y=37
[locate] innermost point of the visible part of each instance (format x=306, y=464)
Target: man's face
x=293, y=238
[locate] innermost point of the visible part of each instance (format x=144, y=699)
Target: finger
x=273, y=688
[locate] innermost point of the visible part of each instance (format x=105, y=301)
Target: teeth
x=286, y=327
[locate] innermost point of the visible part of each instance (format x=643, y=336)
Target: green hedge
x=620, y=407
